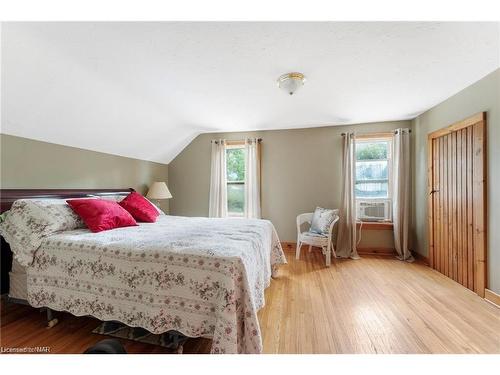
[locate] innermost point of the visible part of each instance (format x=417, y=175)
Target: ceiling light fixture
x=291, y=82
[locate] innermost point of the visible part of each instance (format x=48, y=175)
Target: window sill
x=370, y=225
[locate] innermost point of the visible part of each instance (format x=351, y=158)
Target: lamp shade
x=159, y=190
x=291, y=82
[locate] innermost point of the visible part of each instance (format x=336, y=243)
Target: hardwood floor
x=23, y=326
x=372, y=305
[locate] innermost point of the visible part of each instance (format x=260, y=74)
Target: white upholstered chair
x=325, y=242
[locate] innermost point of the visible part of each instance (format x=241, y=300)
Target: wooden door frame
x=479, y=195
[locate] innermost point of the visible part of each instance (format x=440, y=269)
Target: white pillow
x=111, y=197
x=30, y=220
x=160, y=211
x=119, y=198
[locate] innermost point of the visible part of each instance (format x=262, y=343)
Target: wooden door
x=457, y=202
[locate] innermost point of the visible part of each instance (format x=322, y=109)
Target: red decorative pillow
x=100, y=214
x=139, y=207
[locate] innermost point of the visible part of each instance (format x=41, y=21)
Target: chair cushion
x=321, y=220
x=313, y=235
x=314, y=239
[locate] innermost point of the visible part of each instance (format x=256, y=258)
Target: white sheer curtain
x=218, y=185
x=402, y=194
x=252, y=178
x=346, y=237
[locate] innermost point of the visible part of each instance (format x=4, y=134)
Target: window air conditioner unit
x=379, y=210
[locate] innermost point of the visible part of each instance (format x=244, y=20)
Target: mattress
x=17, y=267
x=18, y=281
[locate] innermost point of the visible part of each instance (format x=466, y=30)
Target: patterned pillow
x=321, y=220
x=30, y=220
x=3, y=215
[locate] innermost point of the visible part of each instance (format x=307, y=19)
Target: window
x=235, y=175
x=373, y=168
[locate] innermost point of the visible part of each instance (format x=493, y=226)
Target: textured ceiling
x=145, y=90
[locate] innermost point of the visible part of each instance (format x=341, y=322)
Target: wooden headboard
x=8, y=196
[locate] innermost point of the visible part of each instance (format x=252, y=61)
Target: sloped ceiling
x=146, y=89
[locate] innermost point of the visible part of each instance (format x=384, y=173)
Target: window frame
x=390, y=165
x=232, y=146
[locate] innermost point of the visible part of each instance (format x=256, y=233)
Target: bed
x=202, y=277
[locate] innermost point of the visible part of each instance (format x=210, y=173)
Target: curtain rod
x=395, y=132
x=234, y=140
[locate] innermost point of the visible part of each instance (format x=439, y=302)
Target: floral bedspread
x=202, y=277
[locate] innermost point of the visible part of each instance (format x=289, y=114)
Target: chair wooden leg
x=334, y=253
x=297, y=251
x=328, y=258
x=329, y=254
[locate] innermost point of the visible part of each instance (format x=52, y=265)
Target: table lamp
x=158, y=191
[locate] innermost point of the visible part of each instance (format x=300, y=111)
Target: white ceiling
x=145, y=89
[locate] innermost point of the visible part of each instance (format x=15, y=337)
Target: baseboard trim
x=369, y=251
x=492, y=297
x=380, y=251
x=288, y=245
x=421, y=257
